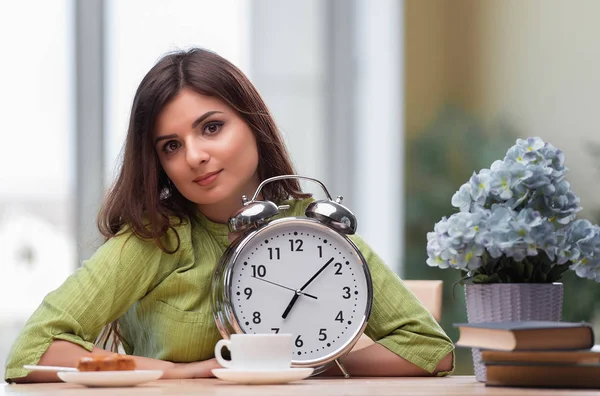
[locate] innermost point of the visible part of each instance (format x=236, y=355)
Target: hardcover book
x=526, y=335
x=543, y=375
x=543, y=356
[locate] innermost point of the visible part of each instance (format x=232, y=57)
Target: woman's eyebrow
x=158, y=139
x=194, y=125
x=203, y=117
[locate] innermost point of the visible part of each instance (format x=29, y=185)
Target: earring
x=166, y=192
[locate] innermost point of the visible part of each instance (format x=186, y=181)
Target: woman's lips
x=207, y=179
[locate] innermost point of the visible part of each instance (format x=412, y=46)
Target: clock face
x=302, y=278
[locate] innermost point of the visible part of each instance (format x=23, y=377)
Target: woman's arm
x=121, y=272
x=66, y=354
x=409, y=341
x=378, y=361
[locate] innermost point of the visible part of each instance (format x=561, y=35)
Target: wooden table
x=453, y=385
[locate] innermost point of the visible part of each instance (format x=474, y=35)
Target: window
x=37, y=248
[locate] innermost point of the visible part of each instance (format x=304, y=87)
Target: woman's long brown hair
x=135, y=198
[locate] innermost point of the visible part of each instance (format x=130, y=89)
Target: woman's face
x=207, y=151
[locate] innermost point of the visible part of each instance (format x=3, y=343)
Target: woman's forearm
x=66, y=354
x=378, y=361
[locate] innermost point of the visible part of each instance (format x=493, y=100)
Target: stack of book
x=535, y=353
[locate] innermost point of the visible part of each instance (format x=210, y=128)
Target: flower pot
x=503, y=302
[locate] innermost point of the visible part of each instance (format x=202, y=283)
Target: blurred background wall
x=392, y=104
x=533, y=63
x=480, y=74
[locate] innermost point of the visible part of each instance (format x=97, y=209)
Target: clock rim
x=225, y=316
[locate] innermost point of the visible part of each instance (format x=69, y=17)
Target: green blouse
x=163, y=302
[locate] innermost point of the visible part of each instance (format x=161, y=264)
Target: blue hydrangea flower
x=462, y=198
x=518, y=208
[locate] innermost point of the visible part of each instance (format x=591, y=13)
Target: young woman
x=199, y=138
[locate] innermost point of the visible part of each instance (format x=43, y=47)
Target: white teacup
x=256, y=351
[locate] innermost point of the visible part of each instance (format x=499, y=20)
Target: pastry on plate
x=114, y=362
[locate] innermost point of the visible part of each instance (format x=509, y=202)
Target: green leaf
x=556, y=272
x=481, y=278
x=503, y=276
x=494, y=278
x=514, y=270
x=490, y=264
x=539, y=276
x=527, y=270
x=544, y=257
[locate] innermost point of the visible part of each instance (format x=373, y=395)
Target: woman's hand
x=201, y=369
x=65, y=353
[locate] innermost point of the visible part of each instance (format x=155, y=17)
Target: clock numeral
x=261, y=271
x=248, y=292
x=347, y=292
x=277, y=255
x=296, y=245
x=322, y=335
x=338, y=271
x=320, y=251
x=275, y=329
x=299, y=342
x=340, y=317
x=256, y=318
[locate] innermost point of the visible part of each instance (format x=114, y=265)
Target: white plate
x=110, y=378
x=34, y=367
x=262, y=377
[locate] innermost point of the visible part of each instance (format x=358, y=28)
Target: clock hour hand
x=285, y=287
x=299, y=291
x=290, y=305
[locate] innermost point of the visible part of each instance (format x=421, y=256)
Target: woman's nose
x=197, y=153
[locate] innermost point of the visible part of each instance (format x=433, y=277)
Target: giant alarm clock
x=297, y=275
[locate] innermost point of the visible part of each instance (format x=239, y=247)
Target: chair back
x=428, y=292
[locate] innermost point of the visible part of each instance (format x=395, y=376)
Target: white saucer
x=262, y=377
x=109, y=378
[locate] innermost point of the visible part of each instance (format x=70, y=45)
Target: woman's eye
x=213, y=127
x=170, y=146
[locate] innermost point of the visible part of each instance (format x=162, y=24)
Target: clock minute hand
x=317, y=274
x=299, y=291
x=285, y=287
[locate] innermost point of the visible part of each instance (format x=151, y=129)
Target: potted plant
x=514, y=235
